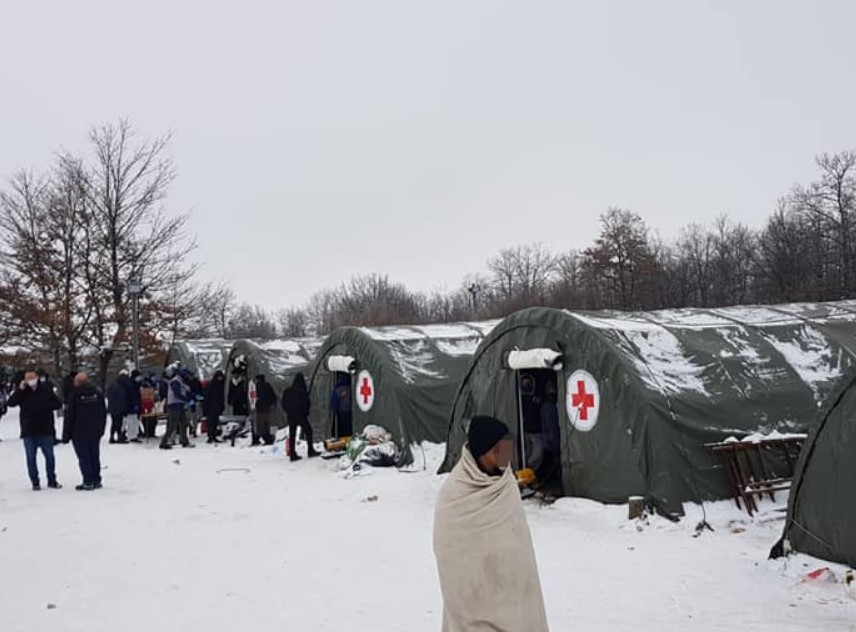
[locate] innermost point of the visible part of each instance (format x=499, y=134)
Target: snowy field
x=223, y=539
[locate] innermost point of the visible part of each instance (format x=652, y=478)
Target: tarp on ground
x=202, y=357
x=669, y=382
x=414, y=373
x=278, y=360
x=822, y=508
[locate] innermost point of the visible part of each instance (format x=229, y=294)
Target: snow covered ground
x=226, y=539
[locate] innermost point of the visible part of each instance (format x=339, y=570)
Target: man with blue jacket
x=178, y=399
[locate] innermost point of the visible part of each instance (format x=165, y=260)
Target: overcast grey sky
x=324, y=138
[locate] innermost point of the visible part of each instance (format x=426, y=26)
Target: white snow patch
x=223, y=539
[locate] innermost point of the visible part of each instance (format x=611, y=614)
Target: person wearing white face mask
x=38, y=401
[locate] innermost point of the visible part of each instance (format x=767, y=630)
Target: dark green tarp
x=277, y=360
x=415, y=372
x=202, y=357
x=822, y=509
x=669, y=381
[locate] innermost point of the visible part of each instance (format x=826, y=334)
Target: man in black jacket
x=38, y=403
x=295, y=403
x=238, y=396
x=214, y=403
x=265, y=402
x=117, y=403
x=86, y=419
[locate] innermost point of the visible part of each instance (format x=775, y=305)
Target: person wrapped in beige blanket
x=488, y=573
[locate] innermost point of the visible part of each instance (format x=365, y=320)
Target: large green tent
x=202, y=357
x=822, y=513
x=639, y=394
x=403, y=378
x=277, y=360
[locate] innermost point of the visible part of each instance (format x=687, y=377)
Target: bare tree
x=294, y=322
x=134, y=235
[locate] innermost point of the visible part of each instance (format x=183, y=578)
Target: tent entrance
x=538, y=425
x=341, y=404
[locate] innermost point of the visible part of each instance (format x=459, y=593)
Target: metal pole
x=520, y=435
x=136, y=325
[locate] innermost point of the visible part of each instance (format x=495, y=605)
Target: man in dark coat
x=265, y=402
x=239, y=398
x=215, y=403
x=85, y=421
x=117, y=404
x=295, y=403
x=38, y=403
x=133, y=404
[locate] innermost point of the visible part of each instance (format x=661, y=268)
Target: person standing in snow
x=215, y=403
x=131, y=385
x=85, y=421
x=295, y=403
x=486, y=563
x=239, y=397
x=197, y=404
x=38, y=401
x=117, y=403
x=177, y=401
x=265, y=403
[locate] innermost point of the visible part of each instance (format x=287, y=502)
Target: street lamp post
x=135, y=290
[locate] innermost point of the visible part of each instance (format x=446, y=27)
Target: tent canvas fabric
x=202, y=357
x=278, y=360
x=821, y=511
x=669, y=382
x=415, y=372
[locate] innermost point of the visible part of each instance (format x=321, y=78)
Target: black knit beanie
x=484, y=433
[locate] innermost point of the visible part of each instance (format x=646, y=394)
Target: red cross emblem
x=583, y=400
x=366, y=391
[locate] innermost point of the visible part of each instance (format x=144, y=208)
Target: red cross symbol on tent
x=583, y=400
x=365, y=391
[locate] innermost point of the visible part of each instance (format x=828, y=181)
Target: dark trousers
x=116, y=426
x=89, y=459
x=213, y=426
x=305, y=428
x=263, y=428
x=176, y=420
x=150, y=425
x=46, y=444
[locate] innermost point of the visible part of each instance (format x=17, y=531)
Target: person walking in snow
x=486, y=563
x=117, y=404
x=265, y=403
x=85, y=421
x=38, y=402
x=295, y=403
x=177, y=402
x=215, y=403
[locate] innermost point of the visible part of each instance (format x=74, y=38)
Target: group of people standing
x=84, y=424
x=130, y=404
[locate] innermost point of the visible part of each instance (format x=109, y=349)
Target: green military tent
x=639, y=394
x=402, y=378
x=202, y=357
x=821, y=512
x=277, y=360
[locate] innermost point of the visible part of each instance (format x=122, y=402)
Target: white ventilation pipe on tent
x=341, y=364
x=539, y=358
